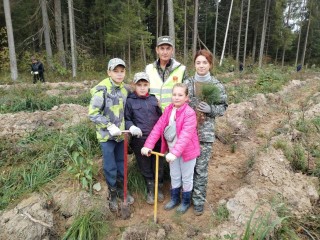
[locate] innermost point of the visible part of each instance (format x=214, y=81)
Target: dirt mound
x=21, y=123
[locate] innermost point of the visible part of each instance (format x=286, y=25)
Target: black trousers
x=39, y=77
x=147, y=165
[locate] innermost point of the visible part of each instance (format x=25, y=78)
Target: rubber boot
x=198, y=210
x=113, y=205
x=130, y=199
x=160, y=192
x=175, y=199
x=150, y=192
x=185, y=203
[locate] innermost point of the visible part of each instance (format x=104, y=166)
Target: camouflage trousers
x=200, y=177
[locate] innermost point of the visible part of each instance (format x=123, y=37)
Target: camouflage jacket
x=207, y=126
x=107, y=108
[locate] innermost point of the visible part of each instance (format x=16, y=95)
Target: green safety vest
x=163, y=90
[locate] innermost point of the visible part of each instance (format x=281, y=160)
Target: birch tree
x=72, y=38
x=171, y=23
x=306, y=40
x=12, y=51
x=246, y=35
x=46, y=29
x=185, y=48
x=239, y=34
x=226, y=34
x=195, y=28
x=59, y=34
x=264, y=30
x=215, y=29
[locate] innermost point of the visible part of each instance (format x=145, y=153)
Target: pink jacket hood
x=187, y=144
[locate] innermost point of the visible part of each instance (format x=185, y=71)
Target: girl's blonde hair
x=182, y=85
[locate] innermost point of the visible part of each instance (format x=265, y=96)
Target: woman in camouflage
x=203, y=61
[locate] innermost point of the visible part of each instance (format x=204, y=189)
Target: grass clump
x=90, y=226
x=270, y=80
x=261, y=227
x=47, y=158
x=136, y=182
x=222, y=213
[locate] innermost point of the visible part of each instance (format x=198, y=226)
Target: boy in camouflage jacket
x=106, y=110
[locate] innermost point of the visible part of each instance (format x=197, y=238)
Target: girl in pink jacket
x=177, y=128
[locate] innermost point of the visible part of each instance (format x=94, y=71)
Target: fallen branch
x=35, y=220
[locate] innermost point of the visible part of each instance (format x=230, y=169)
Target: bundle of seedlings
x=209, y=93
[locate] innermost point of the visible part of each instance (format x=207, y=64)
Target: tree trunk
x=12, y=51
x=195, y=28
x=65, y=29
x=283, y=54
x=239, y=34
x=46, y=27
x=264, y=30
x=306, y=41
x=226, y=34
x=129, y=54
x=299, y=37
x=215, y=30
x=59, y=34
x=171, y=23
x=246, y=35
x=157, y=22
x=72, y=38
x=161, y=18
x=185, y=49
x=254, y=47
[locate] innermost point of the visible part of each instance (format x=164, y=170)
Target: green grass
x=47, y=157
x=262, y=227
x=222, y=213
x=33, y=98
x=90, y=226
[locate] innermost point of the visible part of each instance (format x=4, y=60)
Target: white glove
x=170, y=157
x=36, y=72
x=145, y=151
x=114, y=130
x=32, y=72
x=135, y=131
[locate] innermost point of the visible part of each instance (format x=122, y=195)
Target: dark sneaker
x=198, y=210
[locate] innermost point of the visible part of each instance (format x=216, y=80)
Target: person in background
x=240, y=67
x=203, y=61
x=165, y=71
x=37, y=70
x=141, y=114
x=177, y=128
x=106, y=110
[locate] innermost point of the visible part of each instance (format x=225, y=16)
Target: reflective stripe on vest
x=163, y=90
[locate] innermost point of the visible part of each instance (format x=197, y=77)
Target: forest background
x=77, y=37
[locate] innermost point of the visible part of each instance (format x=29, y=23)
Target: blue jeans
x=113, y=157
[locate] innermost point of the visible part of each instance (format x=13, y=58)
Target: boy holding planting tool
x=106, y=110
x=141, y=114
